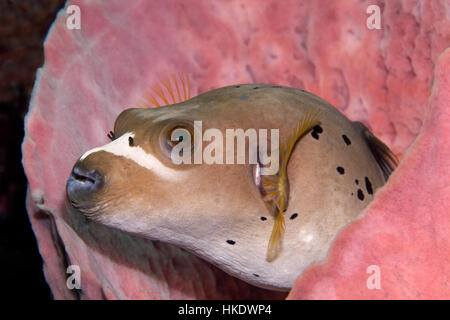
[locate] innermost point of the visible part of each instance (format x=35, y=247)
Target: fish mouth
x=84, y=207
x=90, y=212
x=81, y=188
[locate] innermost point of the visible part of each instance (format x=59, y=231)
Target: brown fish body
x=217, y=211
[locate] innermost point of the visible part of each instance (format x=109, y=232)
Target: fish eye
x=178, y=134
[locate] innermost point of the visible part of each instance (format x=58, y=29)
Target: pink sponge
x=381, y=77
x=404, y=233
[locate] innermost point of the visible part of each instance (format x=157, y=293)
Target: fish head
x=134, y=184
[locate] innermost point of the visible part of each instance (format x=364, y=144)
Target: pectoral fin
x=275, y=188
x=274, y=247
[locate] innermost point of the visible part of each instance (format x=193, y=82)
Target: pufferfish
x=264, y=228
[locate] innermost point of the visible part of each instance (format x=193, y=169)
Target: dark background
x=23, y=26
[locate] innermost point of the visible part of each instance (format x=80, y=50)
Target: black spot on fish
x=368, y=185
x=255, y=88
x=316, y=131
x=346, y=139
x=356, y=181
x=256, y=275
x=263, y=218
x=360, y=195
x=293, y=216
x=352, y=193
x=232, y=242
x=340, y=170
x=237, y=86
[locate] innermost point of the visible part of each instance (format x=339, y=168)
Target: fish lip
x=90, y=212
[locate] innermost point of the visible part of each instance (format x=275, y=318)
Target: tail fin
x=386, y=159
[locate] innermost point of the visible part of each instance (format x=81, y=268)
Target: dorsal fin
x=175, y=88
x=386, y=159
